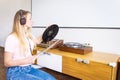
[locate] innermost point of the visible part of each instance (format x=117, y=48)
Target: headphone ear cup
x=23, y=21
x=22, y=18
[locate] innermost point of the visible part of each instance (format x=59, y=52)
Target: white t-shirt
x=12, y=45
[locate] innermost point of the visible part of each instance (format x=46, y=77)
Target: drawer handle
x=82, y=61
x=79, y=60
x=86, y=61
x=112, y=64
x=42, y=53
x=46, y=53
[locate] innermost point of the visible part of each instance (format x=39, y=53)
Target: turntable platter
x=73, y=45
x=75, y=48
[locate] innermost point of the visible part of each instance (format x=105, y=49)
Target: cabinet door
x=50, y=61
x=92, y=71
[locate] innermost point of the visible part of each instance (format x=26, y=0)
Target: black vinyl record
x=50, y=33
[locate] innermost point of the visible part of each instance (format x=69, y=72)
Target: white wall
x=77, y=13
x=8, y=9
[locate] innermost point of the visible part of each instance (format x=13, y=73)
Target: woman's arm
x=8, y=61
x=39, y=39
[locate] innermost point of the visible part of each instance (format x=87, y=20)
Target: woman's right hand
x=31, y=59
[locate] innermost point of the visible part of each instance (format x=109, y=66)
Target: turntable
x=48, y=37
x=75, y=48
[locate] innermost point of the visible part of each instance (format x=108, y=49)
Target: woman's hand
x=31, y=59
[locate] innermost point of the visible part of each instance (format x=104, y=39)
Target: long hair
x=19, y=31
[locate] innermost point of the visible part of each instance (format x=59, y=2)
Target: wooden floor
x=59, y=76
x=2, y=67
x=118, y=72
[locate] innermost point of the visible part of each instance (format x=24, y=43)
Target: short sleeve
x=11, y=43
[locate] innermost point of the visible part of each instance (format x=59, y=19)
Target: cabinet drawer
x=91, y=71
x=50, y=61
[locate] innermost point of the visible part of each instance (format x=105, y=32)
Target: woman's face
x=29, y=21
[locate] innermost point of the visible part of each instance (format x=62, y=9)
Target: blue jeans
x=27, y=73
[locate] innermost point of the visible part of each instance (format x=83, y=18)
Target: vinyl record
x=50, y=33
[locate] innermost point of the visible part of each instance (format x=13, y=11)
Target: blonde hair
x=19, y=31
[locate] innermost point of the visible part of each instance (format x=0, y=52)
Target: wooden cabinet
x=91, y=71
x=91, y=66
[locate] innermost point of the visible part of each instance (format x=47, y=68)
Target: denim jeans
x=27, y=73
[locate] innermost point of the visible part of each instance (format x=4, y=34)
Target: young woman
x=18, y=50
